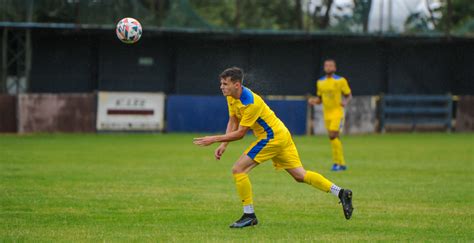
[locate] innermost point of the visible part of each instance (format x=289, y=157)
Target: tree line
x=301, y=15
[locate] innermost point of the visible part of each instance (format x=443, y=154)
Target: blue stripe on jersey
x=257, y=148
x=261, y=144
x=266, y=127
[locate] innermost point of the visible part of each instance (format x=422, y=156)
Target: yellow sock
x=244, y=188
x=318, y=181
x=337, y=154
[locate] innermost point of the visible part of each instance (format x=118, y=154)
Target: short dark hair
x=236, y=74
x=330, y=60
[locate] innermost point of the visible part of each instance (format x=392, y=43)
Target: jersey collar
x=334, y=76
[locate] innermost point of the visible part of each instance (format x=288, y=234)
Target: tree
x=361, y=13
x=251, y=14
x=299, y=14
x=321, y=14
x=443, y=16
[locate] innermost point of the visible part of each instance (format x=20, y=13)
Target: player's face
x=228, y=87
x=329, y=67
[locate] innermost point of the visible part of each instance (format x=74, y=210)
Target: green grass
x=142, y=187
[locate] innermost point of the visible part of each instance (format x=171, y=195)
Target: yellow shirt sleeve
x=250, y=115
x=229, y=107
x=345, y=87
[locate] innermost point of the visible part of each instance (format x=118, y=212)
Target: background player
x=248, y=111
x=334, y=92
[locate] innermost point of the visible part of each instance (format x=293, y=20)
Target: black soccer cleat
x=345, y=195
x=245, y=220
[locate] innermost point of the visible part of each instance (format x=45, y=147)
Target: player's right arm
x=232, y=125
x=314, y=100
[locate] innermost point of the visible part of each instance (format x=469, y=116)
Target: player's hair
x=236, y=74
x=330, y=60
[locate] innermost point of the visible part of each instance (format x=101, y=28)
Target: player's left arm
x=228, y=137
x=346, y=93
x=249, y=117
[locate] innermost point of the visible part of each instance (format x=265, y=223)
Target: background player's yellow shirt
x=251, y=111
x=330, y=89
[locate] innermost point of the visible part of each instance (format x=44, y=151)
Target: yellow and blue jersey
x=253, y=112
x=330, y=89
x=273, y=138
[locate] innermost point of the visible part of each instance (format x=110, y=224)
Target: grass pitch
x=411, y=187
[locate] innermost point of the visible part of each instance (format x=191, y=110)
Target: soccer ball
x=129, y=30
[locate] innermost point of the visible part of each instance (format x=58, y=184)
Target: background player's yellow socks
x=337, y=154
x=244, y=188
x=318, y=181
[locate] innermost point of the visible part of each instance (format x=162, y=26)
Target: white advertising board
x=130, y=111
